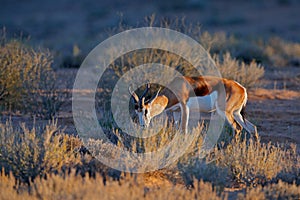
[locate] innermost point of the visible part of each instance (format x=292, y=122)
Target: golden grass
x=28, y=153
x=280, y=190
x=28, y=83
x=254, y=163
x=35, y=165
x=246, y=74
x=72, y=186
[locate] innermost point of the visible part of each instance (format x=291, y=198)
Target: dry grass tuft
x=27, y=80
x=76, y=187
x=28, y=153
x=257, y=163
x=32, y=155
x=246, y=74
x=280, y=190
x=282, y=53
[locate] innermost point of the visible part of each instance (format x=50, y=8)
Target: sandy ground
x=276, y=108
x=277, y=117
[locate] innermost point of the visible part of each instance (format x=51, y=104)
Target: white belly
x=203, y=104
x=199, y=104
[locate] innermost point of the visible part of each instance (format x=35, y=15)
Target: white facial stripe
x=144, y=119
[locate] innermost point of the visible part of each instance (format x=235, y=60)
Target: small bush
x=246, y=74
x=162, y=142
x=254, y=162
x=200, y=170
x=243, y=49
x=217, y=42
x=279, y=190
x=27, y=81
x=282, y=53
x=28, y=153
x=274, y=51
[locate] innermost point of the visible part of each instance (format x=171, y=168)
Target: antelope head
x=146, y=110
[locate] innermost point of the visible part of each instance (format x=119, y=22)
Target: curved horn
x=133, y=94
x=154, y=97
x=146, y=90
x=143, y=101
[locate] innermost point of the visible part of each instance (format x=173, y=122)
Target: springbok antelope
x=188, y=91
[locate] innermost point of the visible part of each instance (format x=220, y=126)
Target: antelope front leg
x=185, y=112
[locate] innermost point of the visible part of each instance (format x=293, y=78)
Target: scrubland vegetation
x=43, y=162
x=28, y=81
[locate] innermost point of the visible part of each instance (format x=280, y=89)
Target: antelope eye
x=146, y=111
